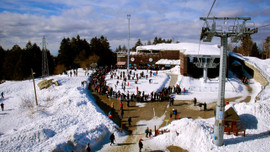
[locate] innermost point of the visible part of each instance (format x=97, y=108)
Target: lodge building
x=194, y=59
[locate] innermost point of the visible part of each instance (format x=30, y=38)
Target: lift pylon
x=224, y=30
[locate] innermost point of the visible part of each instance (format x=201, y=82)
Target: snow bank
x=65, y=119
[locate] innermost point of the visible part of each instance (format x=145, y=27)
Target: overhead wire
x=204, y=23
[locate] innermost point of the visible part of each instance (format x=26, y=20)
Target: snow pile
x=196, y=135
x=186, y=133
x=66, y=117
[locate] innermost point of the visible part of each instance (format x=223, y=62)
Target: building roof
x=192, y=49
x=231, y=115
x=168, y=62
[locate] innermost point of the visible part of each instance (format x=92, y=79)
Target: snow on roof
x=187, y=48
x=168, y=62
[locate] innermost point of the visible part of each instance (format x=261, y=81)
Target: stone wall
x=257, y=75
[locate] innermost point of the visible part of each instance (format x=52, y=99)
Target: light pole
x=128, y=17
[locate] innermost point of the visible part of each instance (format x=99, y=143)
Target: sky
x=30, y=20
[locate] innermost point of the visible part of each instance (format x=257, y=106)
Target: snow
x=168, y=62
x=67, y=115
x=187, y=48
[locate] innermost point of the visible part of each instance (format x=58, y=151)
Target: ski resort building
x=195, y=60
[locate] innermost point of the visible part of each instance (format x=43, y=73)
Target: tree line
x=249, y=48
x=156, y=40
x=16, y=63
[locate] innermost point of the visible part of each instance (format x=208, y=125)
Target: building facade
x=195, y=59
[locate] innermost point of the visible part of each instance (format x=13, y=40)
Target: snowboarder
x=112, y=138
x=87, y=148
x=2, y=106
x=195, y=101
x=140, y=145
x=129, y=121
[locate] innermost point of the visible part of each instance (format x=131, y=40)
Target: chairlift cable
x=204, y=22
x=264, y=26
x=211, y=8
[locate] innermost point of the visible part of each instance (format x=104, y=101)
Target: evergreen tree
x=65, y=54
x=2, y=57
x=118, y=49
x=138, y=43
x=101, y=47
x=9, y=65
x=124, y=48
x=246, y=46
x=266, y=47
x=255, y=51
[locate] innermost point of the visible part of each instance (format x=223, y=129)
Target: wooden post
x=34, y=86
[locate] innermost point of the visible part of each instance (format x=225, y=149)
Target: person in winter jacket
x=112, y=138
x=140, y=145
x=87, y=148
x=146, y=132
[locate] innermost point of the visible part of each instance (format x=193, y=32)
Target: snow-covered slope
x=65, y=113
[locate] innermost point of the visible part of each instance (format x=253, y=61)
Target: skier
x=140, y=145
x=87, y=148
x=2, y=95
x=112, y=138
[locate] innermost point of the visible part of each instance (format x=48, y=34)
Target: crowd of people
x=123, y=78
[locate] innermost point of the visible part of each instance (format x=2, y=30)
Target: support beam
x=219, y=121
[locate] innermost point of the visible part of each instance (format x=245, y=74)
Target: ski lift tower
x=45, y=66
x=236, y=31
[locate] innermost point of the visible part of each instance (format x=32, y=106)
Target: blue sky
x=29, y=20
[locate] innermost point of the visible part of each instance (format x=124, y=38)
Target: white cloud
x=166, y=19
